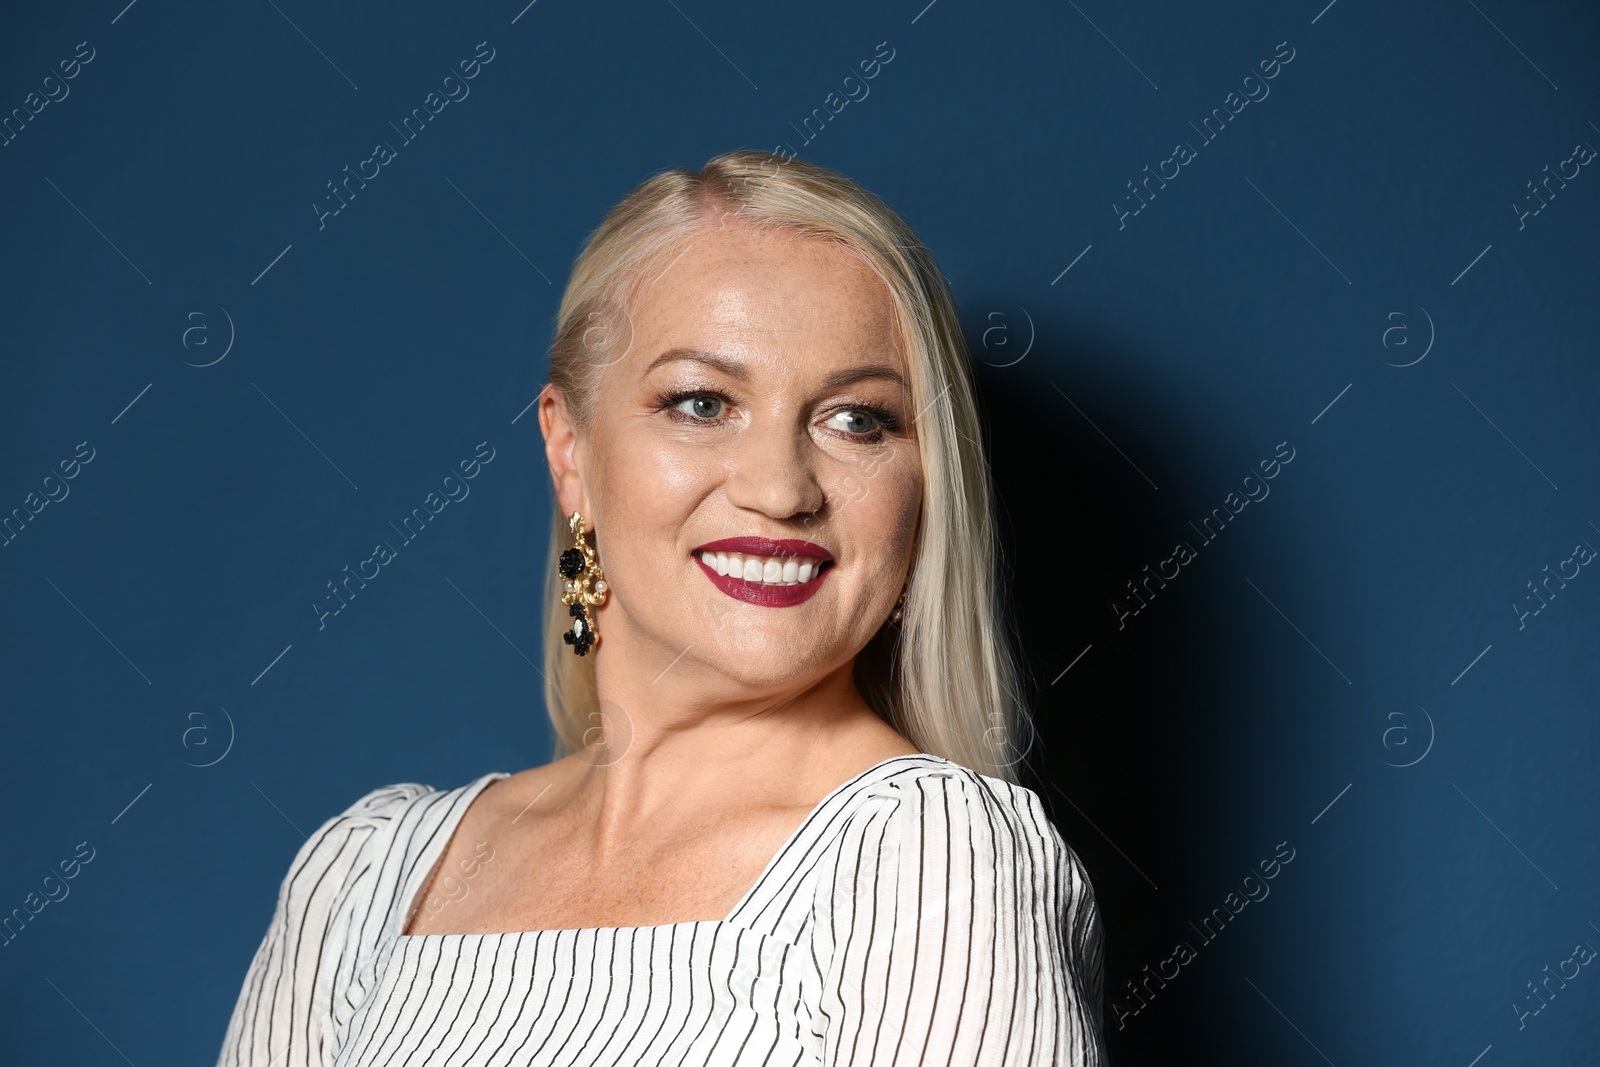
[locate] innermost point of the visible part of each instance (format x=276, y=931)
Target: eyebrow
x=737, y=370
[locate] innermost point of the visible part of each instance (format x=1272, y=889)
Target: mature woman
x=786, y=828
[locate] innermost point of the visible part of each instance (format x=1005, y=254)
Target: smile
x=768, y=573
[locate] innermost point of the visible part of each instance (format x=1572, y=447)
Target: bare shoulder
x=511, y=795
x=486, y=836
x=876, y=743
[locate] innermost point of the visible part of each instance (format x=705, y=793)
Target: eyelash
x=668, y=402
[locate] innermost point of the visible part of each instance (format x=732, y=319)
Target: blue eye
x=702, y=405
x=856, y=421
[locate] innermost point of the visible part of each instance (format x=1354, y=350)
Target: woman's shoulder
x=334, y=916
x=1007, y=830
x=929, y=808
x=362, y=858
x=355, y=873
x=403, y=808
x=925, y=786
x=381, y=805
x=375, y=810
x=942, y=869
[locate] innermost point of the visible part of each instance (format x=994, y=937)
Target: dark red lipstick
x=759, y=593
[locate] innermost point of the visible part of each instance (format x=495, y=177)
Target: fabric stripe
x=921, y=913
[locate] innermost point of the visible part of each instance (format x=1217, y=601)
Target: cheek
x=886, y=502
x=648, y=488
x=655, y=473
x=640, y=473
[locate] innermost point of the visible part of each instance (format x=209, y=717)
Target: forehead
x=765, y=295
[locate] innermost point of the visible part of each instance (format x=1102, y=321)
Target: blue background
x=1342, y=270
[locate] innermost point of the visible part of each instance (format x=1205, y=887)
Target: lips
x=726, y=561
x=765, y=546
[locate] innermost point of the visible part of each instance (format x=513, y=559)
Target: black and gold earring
x=586, y=587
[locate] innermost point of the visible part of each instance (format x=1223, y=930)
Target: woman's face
x=754, y=433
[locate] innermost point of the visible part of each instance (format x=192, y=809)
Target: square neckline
x=428, y=864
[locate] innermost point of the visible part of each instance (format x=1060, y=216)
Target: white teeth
x=765, y=570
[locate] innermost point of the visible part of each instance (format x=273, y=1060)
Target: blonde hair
x=946, y=679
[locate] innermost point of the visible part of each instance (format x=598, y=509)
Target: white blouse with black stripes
x=922, y=914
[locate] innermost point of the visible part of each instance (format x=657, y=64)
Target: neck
x=673, y=732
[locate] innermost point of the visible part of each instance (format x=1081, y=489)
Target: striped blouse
x=922, y=913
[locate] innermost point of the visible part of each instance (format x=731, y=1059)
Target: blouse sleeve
x=284, y=1014
x=958, y=926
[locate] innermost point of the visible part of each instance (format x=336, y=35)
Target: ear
x=561, y=451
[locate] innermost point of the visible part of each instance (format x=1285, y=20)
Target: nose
x=772, y=470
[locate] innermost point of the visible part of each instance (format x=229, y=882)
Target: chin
x=765, y=656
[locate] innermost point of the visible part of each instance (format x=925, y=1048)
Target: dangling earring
x=586, y=588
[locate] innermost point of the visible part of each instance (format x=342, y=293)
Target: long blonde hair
x=946, y=679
